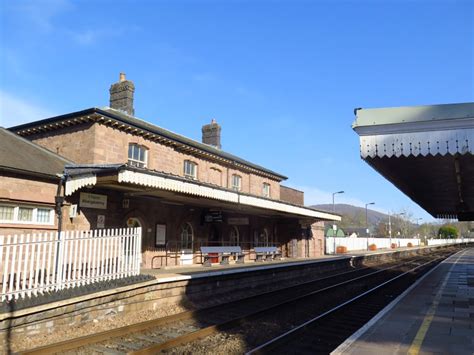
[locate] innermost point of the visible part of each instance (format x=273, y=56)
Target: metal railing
x=33, y=264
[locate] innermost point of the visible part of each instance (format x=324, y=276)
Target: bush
x=372, y=247
x=448, y=232
x=394, y=245
x=409, y=245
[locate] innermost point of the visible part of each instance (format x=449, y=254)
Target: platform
x=195, y=271
x=434, y=316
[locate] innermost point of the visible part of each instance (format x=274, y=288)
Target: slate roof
x=22, y=156
x=135, y=122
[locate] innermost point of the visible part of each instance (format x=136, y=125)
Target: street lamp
x=335, y=193
x=390, y=224
x=367, y=222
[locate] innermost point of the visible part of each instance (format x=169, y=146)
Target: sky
x=281, y=77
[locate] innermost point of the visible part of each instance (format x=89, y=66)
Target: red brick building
x=183, y=193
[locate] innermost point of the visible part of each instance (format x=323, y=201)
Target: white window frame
x=236, y=186
x=266, y=190
x=16, y=215
x=137, y=162
x=193, y=174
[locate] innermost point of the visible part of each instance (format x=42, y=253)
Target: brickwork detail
x=290, y=195
x=101, y=144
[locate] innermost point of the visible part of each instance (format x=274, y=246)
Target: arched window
x=236, y=182
x=266, y=189
x=234, y=236
x=137, y=155
x=186, y=236
x=263, y=238
x=190, y=169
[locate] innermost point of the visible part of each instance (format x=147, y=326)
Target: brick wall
x=20, y=190
x=75, y=143
x=101, y=144
x=290, y=195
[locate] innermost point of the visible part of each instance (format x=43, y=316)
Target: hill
x=354, y=216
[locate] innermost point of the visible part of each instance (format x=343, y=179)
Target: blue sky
x=281, y=77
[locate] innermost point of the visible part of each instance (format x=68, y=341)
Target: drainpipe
x=59, y=201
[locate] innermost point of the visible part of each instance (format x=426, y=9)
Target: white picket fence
x=450, y=241
x=354, y=244
x=37, y=263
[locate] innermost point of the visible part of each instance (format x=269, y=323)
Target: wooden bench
x=224, y=252
x=263, y=252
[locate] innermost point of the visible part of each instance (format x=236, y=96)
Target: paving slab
x=434, y=317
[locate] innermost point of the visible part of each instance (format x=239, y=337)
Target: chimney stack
x=121, y=95
x=211, y=134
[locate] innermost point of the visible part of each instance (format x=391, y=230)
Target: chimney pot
x=122, y=77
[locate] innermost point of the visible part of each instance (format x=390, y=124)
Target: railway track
x=247, y=322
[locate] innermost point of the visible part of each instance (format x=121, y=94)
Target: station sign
x=89, y=200
x=238, y=221
x=213, y=216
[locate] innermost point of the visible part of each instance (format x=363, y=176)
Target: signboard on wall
x=213, y=216
x=160, y=237
x=238, y=221
x=89, y=200
x=100, y=221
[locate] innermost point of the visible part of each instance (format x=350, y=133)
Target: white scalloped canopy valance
x=194, y=188
x=77, y=182
x=445, y=142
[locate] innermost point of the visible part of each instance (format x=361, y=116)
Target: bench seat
x=262, y=253
x=224, y=252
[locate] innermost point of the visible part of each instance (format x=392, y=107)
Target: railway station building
x=115, y=170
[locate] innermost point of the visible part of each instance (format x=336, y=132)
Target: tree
x=448, y=232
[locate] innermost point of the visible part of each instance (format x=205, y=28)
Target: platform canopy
x=172, y=189
x=425, y=151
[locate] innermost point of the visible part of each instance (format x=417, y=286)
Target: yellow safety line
x=420, y=335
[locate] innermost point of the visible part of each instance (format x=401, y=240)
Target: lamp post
x=367, y=222
x=390, y=226
x=333, y=205
x=334, y=226
x=417, y=220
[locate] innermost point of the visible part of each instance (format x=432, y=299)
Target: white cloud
x=41, y=13
x=15, y=110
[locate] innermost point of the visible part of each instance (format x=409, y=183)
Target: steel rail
x=143, y=326
x=204, y=332
x=283, y=338
x=138, y=327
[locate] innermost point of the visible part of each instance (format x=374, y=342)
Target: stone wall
x=100, y=144
x=22, y=190
x=290, y=195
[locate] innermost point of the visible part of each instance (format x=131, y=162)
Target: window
x=190, y=169
x=137, y=155
x=234, y=236
x=43, y=215
x=236, y=182
x=266, y=190
x=186, y=236
x=6, y=213
x=26, y=214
